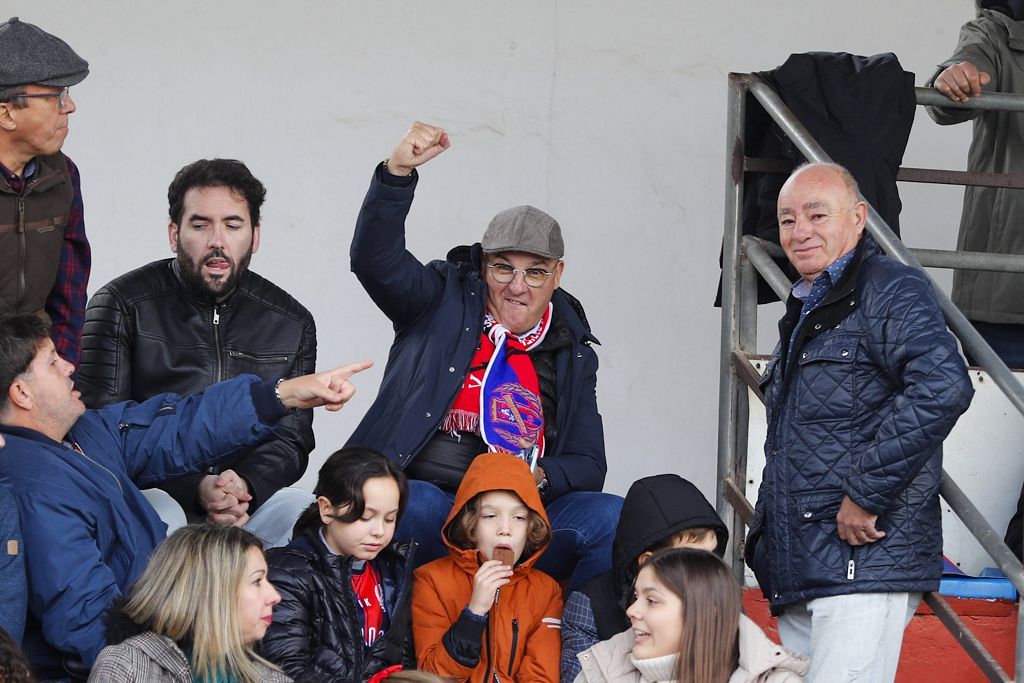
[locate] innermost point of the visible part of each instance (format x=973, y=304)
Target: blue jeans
x=582, y=526
x=1007, y=340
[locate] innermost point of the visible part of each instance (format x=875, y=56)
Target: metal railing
x=744, y=258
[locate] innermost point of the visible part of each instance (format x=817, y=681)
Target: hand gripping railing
x=745, y=257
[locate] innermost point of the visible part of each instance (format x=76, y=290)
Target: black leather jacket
x=317, y=633
x=147, y=333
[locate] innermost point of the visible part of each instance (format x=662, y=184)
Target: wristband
x=277, y=391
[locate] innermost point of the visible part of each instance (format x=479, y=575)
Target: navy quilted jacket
x=859, y=406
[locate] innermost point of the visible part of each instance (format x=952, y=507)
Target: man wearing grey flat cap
x=490, y=354
x=44, y=254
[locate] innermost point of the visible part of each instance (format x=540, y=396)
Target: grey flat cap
x=31, y=55
x=524, y=228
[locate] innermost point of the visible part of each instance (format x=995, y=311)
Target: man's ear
x=559, y=267
x=8, y=118
x=255, y=238
x=172, y=236
x=860, y=214
x=642, y=557
x=19, y=394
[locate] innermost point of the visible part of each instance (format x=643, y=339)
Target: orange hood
x=494, y=472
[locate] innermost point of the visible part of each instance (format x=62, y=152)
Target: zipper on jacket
x=851, y=565
x=257, y=359
x=515, y=642
x=22, y=255
x=78, y=449
x=487, y=639
x=216, y=342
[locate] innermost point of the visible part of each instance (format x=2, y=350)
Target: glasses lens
x=62, y=98
x=535, y=277
x=501, y=273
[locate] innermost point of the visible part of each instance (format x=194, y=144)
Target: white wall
x=610, y=115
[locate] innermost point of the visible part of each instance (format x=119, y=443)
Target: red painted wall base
x=929, y=651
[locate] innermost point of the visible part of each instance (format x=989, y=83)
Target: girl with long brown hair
x=687, y=628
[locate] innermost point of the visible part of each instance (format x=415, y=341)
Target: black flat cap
x=31, y=55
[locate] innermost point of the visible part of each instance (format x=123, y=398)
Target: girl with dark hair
x=345, y=587
x=687, y=628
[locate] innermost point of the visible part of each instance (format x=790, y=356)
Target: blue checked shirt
x=579, y=633
x=812, y=294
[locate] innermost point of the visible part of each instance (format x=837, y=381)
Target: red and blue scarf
x=500, y=397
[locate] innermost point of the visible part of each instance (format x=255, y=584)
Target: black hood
x=1011, y=8
x=655, y=508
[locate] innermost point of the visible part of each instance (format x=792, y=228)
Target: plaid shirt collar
x=15, y=182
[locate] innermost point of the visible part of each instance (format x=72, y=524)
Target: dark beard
x=191, y=274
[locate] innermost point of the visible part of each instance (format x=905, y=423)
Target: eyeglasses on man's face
x=62, y=97
x=503, y=274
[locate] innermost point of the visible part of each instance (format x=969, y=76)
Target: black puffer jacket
x=317, y=634
x=146, y=333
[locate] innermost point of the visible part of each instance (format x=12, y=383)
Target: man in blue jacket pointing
x=88, y=531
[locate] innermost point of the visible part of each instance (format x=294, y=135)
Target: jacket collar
x=40, y=173
x=202, y=298
x=611, y=658
x=162, y=650
x=309, y=546
x=31, y=434
x=827, y=315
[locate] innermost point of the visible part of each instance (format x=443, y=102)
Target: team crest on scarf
x=515, y=418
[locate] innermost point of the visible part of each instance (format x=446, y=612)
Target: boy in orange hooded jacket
x=482, y=614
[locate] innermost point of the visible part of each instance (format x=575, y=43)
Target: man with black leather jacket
x=182, y=324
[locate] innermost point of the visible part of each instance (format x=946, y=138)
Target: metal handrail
x=1002, y=101
x=744, y=256
x=930, y=258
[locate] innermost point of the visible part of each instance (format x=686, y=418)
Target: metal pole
x=989, y=539
x=747, y=343
x=993, y=544
x=930, y=97
x=729, y=386
x=773, y=275
x=973, y=342
x=970, y=260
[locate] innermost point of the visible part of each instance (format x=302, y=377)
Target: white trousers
x=272, y=522
x=855, y=637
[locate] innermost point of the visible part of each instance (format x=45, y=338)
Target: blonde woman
x=194, y=614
